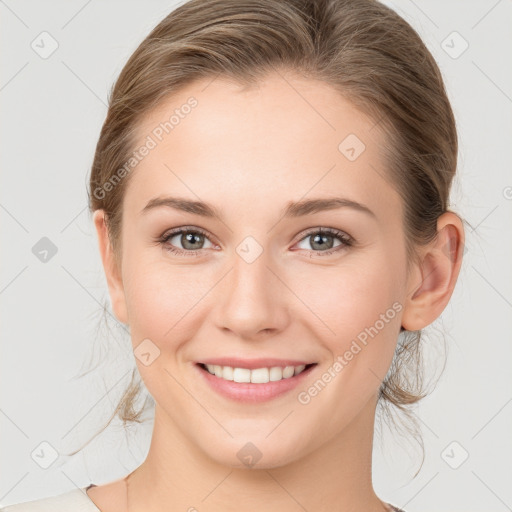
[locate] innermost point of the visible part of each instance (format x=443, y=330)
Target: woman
x=270, y=193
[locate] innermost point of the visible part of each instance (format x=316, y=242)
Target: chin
x=254, y=451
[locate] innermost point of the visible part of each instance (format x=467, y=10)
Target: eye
x=323, y=240
x=191, y=240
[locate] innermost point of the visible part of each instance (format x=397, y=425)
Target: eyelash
x=346, y=240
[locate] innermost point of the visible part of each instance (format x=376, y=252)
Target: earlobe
x=110, y=267
x=433, y=279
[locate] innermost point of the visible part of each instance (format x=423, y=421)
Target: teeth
x=276, y=373
x=227, y=373
x=288, y=372
x=260, y=375
x=256, y=376
x=299, y=369
x=241, y=375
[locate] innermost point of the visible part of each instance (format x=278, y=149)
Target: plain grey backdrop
x=59, y=59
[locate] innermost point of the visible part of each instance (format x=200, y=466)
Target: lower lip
x=250, y=392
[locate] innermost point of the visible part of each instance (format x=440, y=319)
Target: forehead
x=280, y=140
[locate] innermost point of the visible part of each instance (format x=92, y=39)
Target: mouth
x=261, y=375
x=256, y=384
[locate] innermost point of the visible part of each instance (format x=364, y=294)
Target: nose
x=252, y=300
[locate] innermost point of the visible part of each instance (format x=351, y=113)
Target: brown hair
x=362, y=48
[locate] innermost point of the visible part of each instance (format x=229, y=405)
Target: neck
x=335, y=476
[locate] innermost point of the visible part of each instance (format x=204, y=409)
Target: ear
x=433, y=278
x=111, y=268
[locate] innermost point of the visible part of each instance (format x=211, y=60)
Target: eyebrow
x=292, y=209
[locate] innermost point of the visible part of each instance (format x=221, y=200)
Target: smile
x=257, y=375
x=257, y=384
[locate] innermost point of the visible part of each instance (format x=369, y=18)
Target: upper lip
x=251, y=364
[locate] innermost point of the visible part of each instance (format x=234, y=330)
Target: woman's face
x=262, y=282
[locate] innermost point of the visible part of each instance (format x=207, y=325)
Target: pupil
x=323, y=243
x=189, y=240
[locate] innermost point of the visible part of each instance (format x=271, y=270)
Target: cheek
x=162, y=308
x=362, y=311
x=349, y=299
x=161, y=299
x=358, y=310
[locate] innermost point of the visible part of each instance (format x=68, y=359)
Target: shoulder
x=77, y=499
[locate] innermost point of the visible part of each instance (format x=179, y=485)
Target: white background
x=52, y=112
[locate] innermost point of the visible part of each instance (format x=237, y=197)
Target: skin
x=249, y=152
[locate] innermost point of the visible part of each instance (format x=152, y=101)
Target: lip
x=252, y=364
x=248, y=392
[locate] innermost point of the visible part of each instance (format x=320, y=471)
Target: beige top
x=76, y=500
